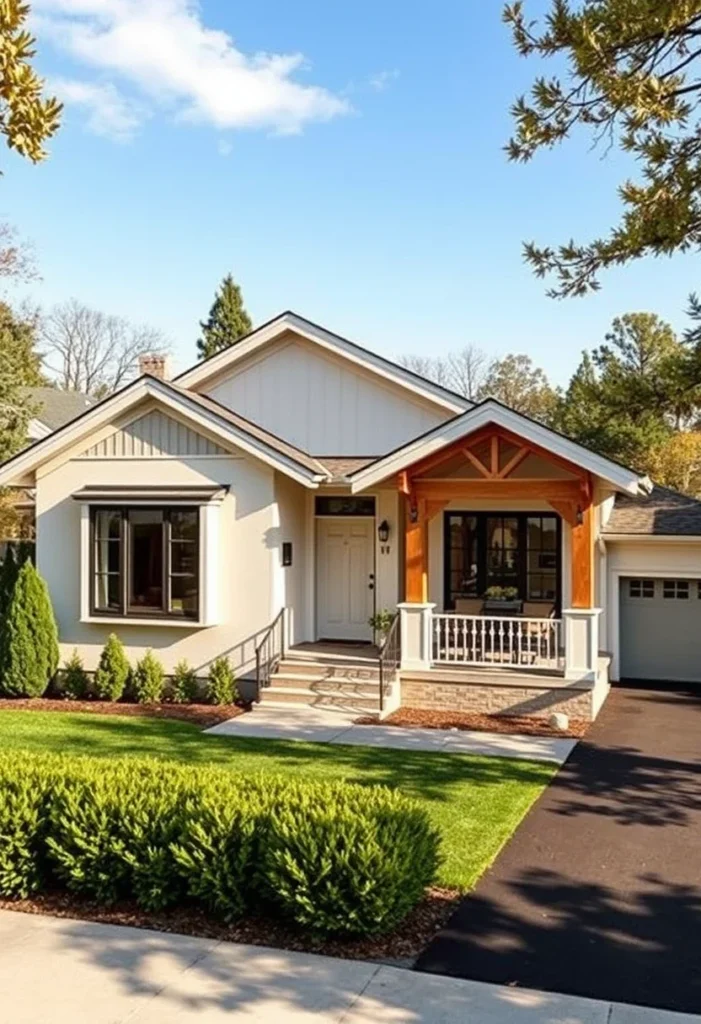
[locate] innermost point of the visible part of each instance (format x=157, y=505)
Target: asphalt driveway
x=599, y=892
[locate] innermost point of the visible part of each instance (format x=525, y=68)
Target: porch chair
x=537, y=640
x=469, y=606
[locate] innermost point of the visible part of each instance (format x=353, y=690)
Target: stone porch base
x=504, y=693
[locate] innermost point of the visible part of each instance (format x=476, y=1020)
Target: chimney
x=154, y=364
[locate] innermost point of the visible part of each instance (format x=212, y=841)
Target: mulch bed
x=204, y=715
x=514, y=725
x=402, y=945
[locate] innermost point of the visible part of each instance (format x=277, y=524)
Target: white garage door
x=661, y=629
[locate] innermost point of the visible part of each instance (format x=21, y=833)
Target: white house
x=299, y=478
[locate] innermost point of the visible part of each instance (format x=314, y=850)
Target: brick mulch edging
x=203, y=715
x=514, y=725
x=404, y=944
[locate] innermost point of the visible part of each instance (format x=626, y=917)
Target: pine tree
x=28, y=637
x=19, y=370
x=112, y=672
x=227, y=321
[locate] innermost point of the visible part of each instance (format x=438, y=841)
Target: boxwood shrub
x=332, y=858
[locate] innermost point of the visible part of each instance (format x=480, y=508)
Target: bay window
x=145, y=562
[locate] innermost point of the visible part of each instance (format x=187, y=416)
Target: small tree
x=74, y=678
x=221, y=684
x=113, y=670
x=184, y=689
x=227, y=321
x=148, y=679
x=28, y=638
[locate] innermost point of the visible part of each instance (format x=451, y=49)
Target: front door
x=345, y=578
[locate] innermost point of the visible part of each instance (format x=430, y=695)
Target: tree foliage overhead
x=633, y=80
x=227, y=321
x=27, y=117
x=19, y=369
x=516, y=382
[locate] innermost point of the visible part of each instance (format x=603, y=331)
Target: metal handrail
x=390, y=658
x=270, y=652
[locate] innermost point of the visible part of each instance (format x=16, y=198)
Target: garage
x=660, y=629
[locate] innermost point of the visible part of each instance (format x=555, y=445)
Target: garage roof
x=662, y=513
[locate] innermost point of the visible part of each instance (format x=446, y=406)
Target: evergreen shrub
x=112, y=672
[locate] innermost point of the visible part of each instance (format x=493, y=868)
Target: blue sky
x=364, y=186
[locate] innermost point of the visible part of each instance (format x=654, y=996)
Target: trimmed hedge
x=333, y=858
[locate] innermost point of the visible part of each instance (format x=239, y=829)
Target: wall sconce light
x=413, y=514
x=580, y=516
x=383, y=532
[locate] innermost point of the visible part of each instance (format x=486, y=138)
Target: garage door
x=661, y=629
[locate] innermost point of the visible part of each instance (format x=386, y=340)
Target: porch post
x=416, y=623
x=416, y=551
x=583, y=558
x=581, y=629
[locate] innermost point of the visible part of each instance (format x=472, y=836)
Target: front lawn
x=476, y=802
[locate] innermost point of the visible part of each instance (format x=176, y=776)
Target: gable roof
x=493, y=412
x=330, y=342
x=54, y=408
x=662, y=513
x=199, y=411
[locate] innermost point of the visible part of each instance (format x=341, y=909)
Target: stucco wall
x=290, y=584
x=248, y=545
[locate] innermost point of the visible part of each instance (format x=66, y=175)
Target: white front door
x=345, y=578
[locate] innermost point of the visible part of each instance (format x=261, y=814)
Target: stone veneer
x=537, y=701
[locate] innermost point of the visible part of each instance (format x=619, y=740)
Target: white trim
x=491, y=412
x=36, y=430
x=197, y=375
x=133, y=621
x=148, y=387
x=651, y=538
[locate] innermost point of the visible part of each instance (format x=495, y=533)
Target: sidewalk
x=73, y=972
x=320, y=725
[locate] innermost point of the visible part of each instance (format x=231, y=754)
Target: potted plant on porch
x=502, y=601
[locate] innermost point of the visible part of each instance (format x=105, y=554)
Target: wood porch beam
x=546, y=490
x=477, y=463
x=513, y=463
x=583, y=558
x=494, y=455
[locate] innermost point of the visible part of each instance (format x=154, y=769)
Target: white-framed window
x=675, y=590
x=643, y=588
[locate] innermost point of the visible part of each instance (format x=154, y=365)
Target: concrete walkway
x=321, y=725
x=74, y=972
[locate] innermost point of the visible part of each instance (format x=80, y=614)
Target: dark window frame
x=125, y=611
x=481, y=533
x=327, y=506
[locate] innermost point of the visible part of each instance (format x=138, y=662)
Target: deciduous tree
x=676, y=462
x=516, y=382
x=632, y=81
x=27, y=117
x=94, y=352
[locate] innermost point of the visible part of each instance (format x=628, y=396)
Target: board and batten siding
x=152, y=436
x=324, y=405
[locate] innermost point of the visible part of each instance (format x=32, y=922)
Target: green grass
x=476, y=802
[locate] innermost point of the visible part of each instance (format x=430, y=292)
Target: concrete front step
x=311, y=698
x=356, y=671
x=327, y=684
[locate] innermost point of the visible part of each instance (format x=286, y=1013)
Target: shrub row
x=335, y=859
x=146, y=682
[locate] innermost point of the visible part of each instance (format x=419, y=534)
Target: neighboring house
x=299, y=471
x=54, y=408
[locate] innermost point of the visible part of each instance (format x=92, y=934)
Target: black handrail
x=270, y=652
x=390, y=658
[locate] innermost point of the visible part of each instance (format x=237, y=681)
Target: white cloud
x=109, y=113
x=382, y=79
x=164, y=51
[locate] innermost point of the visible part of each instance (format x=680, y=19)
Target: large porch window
x=493, y=549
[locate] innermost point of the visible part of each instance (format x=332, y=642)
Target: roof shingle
x=662, y=513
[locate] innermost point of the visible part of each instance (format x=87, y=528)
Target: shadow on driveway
x=599, y=892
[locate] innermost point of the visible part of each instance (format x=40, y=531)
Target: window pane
x=146, y=560
x=107, y=524
x=184, y=595
x=107, y=592
x=183, y=557
x=184, y=524
x=462, y=556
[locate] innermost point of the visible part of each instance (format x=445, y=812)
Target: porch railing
x=390, y=660
x=270, y=652
x=498, y=641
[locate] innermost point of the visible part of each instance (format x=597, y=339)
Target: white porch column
x=581, y=628
x=415, y=625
